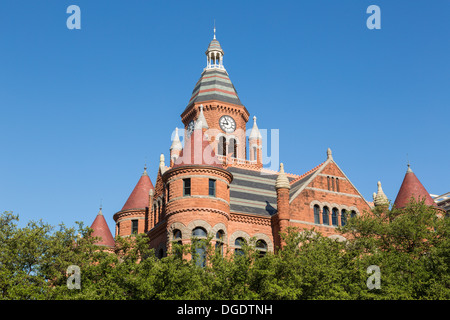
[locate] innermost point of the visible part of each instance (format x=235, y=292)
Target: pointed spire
x=162, y=166
x=282, y=179
x=102, y=231
x=145, y=170
x=138, y=198
x=379, y=197
x=176, y=143
x=254, y=133
x=412, y=187
x=201, y=118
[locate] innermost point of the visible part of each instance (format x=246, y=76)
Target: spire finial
x=380, y=198
x=329, y=154
x=409, y=168
x=161, y=163
x=282, y=179
x=101, y=206
x=214, y=29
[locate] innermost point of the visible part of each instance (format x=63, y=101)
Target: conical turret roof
x=102, y=231
x=412, y=187
x=138, y=199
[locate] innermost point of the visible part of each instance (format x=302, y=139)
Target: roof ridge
x=307, y=173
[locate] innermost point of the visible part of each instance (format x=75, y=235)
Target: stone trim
x=334, y=192
x=250, y=219
x=197, y=176
x=198, y=196
x=197, y=209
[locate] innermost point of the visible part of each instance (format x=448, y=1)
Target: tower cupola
x=214, y=54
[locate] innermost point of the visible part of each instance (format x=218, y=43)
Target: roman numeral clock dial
x=227, y=124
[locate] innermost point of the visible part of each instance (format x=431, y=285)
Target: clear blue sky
x=82, y=110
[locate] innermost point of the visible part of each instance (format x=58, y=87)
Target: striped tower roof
x=214, y=84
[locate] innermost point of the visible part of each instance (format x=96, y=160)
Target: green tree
x=411, y=247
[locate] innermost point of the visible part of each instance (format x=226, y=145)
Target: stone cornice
x=193, y=209
x=197, y=168
x=247, y=218
x=129, y=212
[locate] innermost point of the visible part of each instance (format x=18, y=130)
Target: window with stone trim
x=316, y=214
x=134, y=226
x=334, y=216
x=233, y=147
x=222, y=146
x=199, y=246
x=261, y=247
x=187, y=187
x=212, y=187
x=219, y=241
x=325, y=213
x=343, y=217
x=238, y=243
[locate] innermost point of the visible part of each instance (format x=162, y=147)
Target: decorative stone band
x=250, y=219
x=126, y=213
x=197, y=196
x=193, y=209
x=200, y=169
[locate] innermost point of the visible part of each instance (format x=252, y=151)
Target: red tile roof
x=138, y=199
x=101, y=230
x=411, y=187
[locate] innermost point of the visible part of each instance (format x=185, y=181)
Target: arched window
x=353, y=214
x=316, y=214
x=343, y=217
x=159, y=210
x=233, y=147
x=325, y=214
x=255, y=153
x=155, y=210
x=199, y=247
x=337, y=184
x=178, y=250
x=219, y=241
x=238, y=246
x=334, y=216
x=177, y=236
x=261, y=247
x=222, y=146
x=328, y=183
x=199, y=232
x=332, y=184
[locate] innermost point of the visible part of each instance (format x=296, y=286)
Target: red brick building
x=215, y=183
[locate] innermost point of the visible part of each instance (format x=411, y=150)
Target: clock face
x=190, y=127
x=227, y=124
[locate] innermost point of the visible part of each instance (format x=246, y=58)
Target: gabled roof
x=102, y=231
x=138, y=199
x=412, y=187
x=298, y=185
x=197, y=151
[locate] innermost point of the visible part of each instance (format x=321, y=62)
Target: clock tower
x=216, y=103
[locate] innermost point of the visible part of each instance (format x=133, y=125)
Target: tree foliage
x=411, y=246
